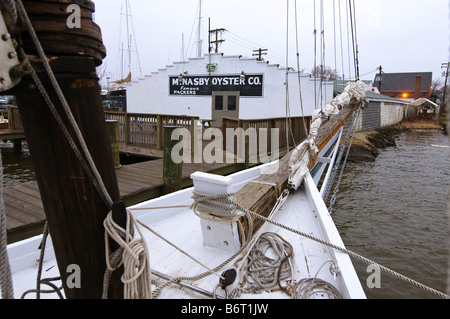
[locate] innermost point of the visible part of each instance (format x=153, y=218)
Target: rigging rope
x=45, y=281
x=345, y=144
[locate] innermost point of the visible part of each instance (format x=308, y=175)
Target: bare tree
x=325, y=73
x=437, y=90
x=102, y=72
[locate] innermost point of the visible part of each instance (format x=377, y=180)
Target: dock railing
x=263, y=128
x=146, y=130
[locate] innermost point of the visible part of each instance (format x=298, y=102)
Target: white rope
x=309, y=287
x=265, y=273
x=134, y=258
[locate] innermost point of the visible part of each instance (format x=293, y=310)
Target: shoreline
x=366, y=145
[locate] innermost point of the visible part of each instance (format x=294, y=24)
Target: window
x=218, y=102
x=232, y=103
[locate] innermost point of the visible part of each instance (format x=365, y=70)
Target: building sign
x=250, y=85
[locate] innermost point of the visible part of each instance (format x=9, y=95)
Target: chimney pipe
x=418, y=86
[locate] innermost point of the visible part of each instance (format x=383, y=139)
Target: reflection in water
x=17, y=167
x=394, y=212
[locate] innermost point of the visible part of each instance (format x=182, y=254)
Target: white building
x=216, y=86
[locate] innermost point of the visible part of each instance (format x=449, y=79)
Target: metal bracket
x=8, y=58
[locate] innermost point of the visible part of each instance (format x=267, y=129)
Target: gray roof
x=340, y=85
x=404, y=82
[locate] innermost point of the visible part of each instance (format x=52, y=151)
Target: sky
x=399, y=35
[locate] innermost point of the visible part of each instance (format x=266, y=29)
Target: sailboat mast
x=199, y=36
x=128, y=34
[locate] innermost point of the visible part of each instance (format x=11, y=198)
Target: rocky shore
x=366, y=145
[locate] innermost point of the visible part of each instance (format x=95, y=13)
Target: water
x=394, y=212
x=17, y=167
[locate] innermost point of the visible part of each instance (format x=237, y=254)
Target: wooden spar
x=261, y=195
x=74, y=208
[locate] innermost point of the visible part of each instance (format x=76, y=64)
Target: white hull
x=304, y=210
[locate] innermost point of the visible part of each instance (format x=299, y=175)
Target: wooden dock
x=25, y=215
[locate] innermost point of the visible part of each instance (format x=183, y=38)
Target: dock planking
x=25, y=216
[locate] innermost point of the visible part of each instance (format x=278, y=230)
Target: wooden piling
x=172, y=172
x=73, y=206
x=113, y=133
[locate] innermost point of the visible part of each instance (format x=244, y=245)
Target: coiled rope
x=307, y=288
x=265, y=273
x=134, y=257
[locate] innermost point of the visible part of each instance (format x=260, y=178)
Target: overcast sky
x=400, y=35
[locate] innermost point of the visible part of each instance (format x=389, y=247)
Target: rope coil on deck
x=134, y=257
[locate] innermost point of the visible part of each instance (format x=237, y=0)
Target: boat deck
x=302, y=211
x=139, y=182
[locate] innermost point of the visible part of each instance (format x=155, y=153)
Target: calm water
x=394, y=212
x=17, y=167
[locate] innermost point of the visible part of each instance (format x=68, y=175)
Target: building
x=411, y=86
x=216, y=86
x=383, y=110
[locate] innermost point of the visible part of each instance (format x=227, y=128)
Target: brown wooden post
x=113, y=133
x=159, y=132
x=172, y=172
x=127, y=129
x=194, y=129
x=246, y=141
x=74, y=209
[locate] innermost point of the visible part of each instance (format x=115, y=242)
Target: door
x=224, y=104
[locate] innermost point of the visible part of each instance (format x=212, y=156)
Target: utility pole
x=446, y=67
x=218, y=41
x=380, y=78
x=259, y=53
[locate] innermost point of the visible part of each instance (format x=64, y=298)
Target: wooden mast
x=74, y=209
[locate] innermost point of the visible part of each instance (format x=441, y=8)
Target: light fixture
x=180, y=77
x=242, y=76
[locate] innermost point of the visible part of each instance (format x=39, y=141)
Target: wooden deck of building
x=25, y=215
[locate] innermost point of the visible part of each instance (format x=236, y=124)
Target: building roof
x=340, y=85
x=423, y=101
x=404, y=82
